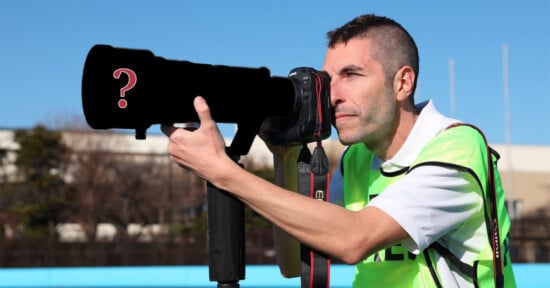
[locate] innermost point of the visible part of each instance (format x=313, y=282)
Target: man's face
x=363, y=106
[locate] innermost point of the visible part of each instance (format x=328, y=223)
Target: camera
x=133, y=89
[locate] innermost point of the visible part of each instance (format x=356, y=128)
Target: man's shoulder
x=459, y=143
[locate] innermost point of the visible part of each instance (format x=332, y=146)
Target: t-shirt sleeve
x=429, y=202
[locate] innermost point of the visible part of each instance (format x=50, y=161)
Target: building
x=525, y=169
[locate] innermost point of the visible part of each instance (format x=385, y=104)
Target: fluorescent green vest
x=461, y=147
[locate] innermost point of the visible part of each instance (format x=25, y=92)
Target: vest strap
x=432, y=269
x=461, y=266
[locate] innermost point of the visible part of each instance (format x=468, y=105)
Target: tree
x=3, y=175
x=41, y=163
x=121, y=187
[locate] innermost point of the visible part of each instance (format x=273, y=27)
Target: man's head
x=393, y=45
x=373, y=63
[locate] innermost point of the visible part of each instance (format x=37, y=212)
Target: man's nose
x=335, y=95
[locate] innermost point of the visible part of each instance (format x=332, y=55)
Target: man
x=415, y=189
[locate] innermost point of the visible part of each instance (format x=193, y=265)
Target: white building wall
x=529, y=182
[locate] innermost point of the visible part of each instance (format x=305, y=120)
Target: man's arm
x=343, y=234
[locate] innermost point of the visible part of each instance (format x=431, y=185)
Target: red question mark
x=132, y=79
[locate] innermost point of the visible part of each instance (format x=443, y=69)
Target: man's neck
x=406, y=121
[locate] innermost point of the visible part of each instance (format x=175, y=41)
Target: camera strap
x=493, y=225
x=313, y=181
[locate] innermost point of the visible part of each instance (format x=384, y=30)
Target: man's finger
x=203, y=111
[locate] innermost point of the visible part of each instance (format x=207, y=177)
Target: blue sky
x=43, y=45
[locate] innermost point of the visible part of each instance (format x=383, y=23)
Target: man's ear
x=403, y=82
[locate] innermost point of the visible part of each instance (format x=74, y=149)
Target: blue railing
x=260, y=276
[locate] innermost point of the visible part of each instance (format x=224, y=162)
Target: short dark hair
x=394, y=46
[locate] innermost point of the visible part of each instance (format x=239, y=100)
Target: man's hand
x=203, y=150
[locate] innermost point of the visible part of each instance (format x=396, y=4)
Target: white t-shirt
x=431, y=203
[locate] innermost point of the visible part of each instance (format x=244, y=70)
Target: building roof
x=525, y=158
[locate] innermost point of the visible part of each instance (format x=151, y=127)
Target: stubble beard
x=375, y=131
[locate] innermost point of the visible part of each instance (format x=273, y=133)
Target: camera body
x=310, y=119
x=134, y=89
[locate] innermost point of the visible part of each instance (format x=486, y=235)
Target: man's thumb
x=203, y=111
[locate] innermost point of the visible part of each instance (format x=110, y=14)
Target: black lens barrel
x=164, y=90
